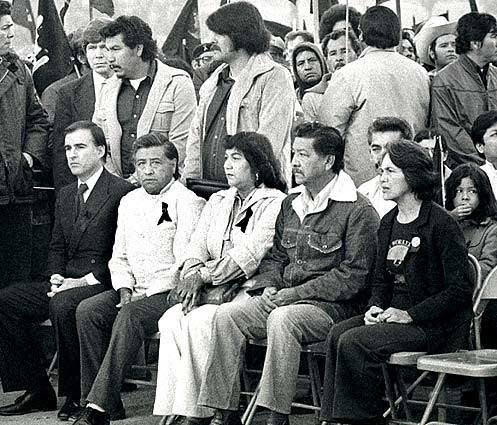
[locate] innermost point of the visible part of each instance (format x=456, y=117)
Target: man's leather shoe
x=40, y=400
x=93, y=417
x=70, y=410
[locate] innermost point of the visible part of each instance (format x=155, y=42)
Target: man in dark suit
x=81, y=246
x=76, y=99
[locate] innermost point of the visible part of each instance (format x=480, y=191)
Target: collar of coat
x=261, y=192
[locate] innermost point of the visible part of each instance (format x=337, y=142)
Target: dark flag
x=182, y=38
x=103, y=6
x=63, y=11
x=54, y=44
x=22, y=15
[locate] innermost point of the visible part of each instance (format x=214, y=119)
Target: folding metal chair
x=478, y=363
x=410, y=359
x=311, y=351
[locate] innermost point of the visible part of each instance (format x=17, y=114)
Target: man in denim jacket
x=316, y=274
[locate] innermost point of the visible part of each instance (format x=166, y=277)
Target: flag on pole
x=53, y=44
x=103, y=6
x=22, y=15
x=63, y=11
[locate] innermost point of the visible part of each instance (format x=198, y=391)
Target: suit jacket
x=437, y=274
x=84, y=246
x=76, y=102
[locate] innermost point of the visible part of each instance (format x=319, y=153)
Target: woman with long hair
x=234, y=232
x=421, y=291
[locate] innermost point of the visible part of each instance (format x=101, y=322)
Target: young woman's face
x=467, y=194
x=393, y=182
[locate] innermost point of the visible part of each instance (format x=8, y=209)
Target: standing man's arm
x=62, y=176
x=337, y=104
x=446, y=119
x=37, y=125
x=185, y=103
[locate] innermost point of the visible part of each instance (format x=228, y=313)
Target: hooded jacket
x=302, y=87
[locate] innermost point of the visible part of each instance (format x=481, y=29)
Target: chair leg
x=433, y=398
x=401, y=385
x=53, y=364
x=249, y=413
x=315, y=382
x=389, y=391
x=483, y=401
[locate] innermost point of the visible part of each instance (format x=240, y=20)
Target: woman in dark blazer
x=421, y=292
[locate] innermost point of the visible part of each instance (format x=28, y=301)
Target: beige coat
x=380, y=83
x=170, y=107
x=262, y=99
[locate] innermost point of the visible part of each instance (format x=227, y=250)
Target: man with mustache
x=147, y=96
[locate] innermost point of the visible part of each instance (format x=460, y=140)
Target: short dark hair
x=482, y=123
x=429, y=133
x=259, y=153
x=487, y=206
x=97, y=133
x=416, y=165
x=473, y=26
x=154, y=139
x=5, y=8
x=380, y=27
x=336, y=14
x=135, y=31
x=243, y=24
x=326, y=141
x=335, y=35
x=390, y=124
x=292, y=35
x=92, y=32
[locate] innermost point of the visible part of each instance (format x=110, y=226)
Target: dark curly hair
x=487, y=206
x=135, y=31
x=5, y=8
x=243, y=24
x=336, y=14
x=259, y=153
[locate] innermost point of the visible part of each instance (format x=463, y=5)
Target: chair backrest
x=476, y=274
x=205, y=188
x=487, y=292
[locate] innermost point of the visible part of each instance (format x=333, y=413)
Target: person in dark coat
x=421, y=292
x=23, y=141
x=77, y=268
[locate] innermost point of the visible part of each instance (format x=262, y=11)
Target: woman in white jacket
x=234, y=232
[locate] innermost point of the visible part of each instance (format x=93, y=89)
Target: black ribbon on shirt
x=242, y=224
x=165, y=215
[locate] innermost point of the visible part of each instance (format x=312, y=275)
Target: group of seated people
x=250, y=263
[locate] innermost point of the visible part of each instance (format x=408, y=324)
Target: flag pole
x=315, y=14
x=90, y=10
x=347, y=20
x=33, y=20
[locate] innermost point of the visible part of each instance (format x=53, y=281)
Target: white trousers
x=183, y=352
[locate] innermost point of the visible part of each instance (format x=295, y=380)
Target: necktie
x=80, y=200
x=165, y=215
x=242, y=224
